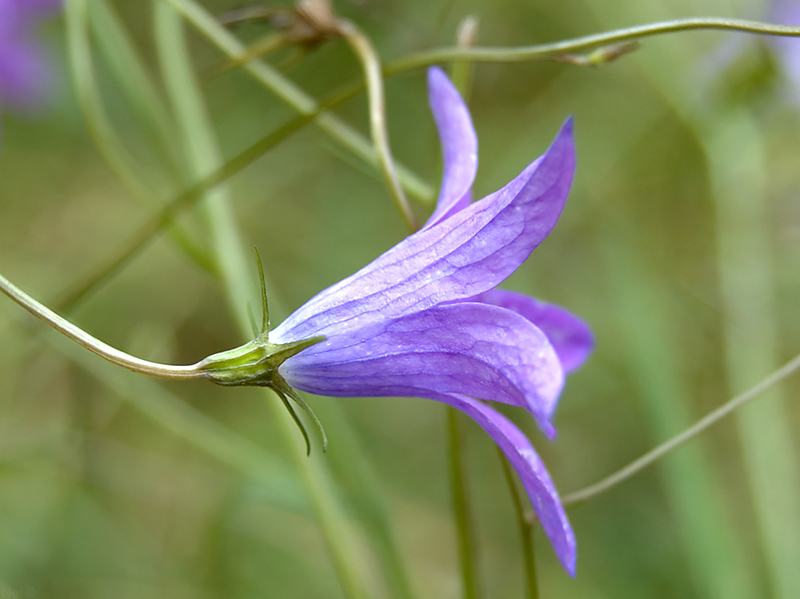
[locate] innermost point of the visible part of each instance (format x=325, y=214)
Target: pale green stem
x=558, y=49
x=294, y=96
x=377, y=116
x=525, y=526
x=461, y=72
x=737, y=164
x=93, y=344
x=690, y=433
x=465, y=529
x=204, y=159
x=187, y=100
x=354, y=471
x=276, y=480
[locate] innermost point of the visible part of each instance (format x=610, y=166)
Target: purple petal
x=541, y=491
x=468, y=348
x=467, y=254
x=459, y=145
x=570, y=336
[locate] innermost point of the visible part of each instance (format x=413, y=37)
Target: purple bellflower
x=425, y=320
x=23, y=67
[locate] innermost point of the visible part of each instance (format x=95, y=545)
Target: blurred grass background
x=99, y=498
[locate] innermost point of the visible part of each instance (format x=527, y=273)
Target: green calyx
x=254, y=364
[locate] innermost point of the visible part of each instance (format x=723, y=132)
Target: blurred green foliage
x=98, y=498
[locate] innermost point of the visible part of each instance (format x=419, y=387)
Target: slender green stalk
x=204, y=158
x=465, y=528
x=556, y=50
x=652, y=456
x=377, y=116
x=204, y=155
x=461, y=72
x=294, y=96
x=525, y=528
x=277, y=481
x=165, y=371
x=355, y=472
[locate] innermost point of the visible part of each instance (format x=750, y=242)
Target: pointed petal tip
x=568, y=562
x=567, y=129
x=548, y=429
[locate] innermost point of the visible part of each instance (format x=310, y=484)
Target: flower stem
x=525, y=529
x=557, y=50
x=377, y=116
x=164, y=371
x=465, y=528
x=275, y=477
x=690, y=433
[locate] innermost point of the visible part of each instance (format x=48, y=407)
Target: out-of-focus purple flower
x=23, y=67
x=425, y=320
x=787, y=12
